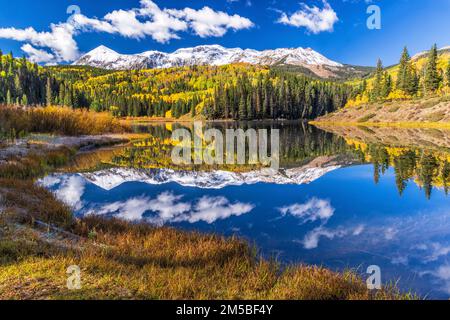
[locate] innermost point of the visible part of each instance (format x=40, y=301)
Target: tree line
x=410, y=81
x=276, y=95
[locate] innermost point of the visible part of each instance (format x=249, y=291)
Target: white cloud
x=157, y=23
x=209, y=23
x=313, y=18
x=37, y=55
x=315, y=209
x=86, y=24
x=149, y=20
x=59, y=40
x=169, y=208
x=164, y=25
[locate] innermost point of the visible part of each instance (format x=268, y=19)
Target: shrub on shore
x=16, y=121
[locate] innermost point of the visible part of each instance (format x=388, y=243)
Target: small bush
x=394, y=109
x=367, y=118
x=435, y=117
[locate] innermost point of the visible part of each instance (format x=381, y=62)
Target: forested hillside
x=238, y=91
x=21, y=82
x=414, y=77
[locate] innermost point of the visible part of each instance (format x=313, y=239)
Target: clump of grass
x=429, y=103
x=32, y=202
x=435, y=117
x=367, y=118
x=394, y=109
x=34, y=164
x=15, y=121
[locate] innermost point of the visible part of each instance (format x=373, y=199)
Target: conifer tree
x=404, y=74
x=412, y=85
x=378, y=82
x=242, y=108
x=387, y=85
x=447, y=74
x=431, y=72
x=193, y=111
x=8, y=97
x=48, y=92
x=24, y=100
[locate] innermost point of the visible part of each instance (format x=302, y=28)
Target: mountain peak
x=102, y=49
x=216, y=55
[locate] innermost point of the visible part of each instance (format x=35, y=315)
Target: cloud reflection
x=311, y=211
x=169, y=208
x=70, y=189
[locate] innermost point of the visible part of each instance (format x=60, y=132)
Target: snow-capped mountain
x=103, y=57
x=114, y=177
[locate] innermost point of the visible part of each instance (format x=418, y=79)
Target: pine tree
x=412, y=85
x=447, y=74
x=266, y=104
x=242, y=108
x=387, y=85
x=193, y=111
x=48, y=92
x=17, y=85
x=403, y=76
x=8, y=97
x=62, y=94
x=431, y=74
x=24, y=100
x=250, y=107
x=378, y=84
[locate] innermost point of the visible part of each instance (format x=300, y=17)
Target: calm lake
x=343, y=198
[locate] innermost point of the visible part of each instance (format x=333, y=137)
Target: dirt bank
x=433, y=112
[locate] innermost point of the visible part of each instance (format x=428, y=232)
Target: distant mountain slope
x=301, y=60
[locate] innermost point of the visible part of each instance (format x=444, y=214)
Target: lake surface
x=343, y=198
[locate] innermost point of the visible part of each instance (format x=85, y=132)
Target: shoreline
x=405, y=125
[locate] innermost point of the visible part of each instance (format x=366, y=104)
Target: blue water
x=341, y=220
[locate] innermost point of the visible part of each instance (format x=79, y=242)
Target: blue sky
x=335, y=28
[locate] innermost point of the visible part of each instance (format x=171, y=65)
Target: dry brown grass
x=32, y=202
x=120, y=260
x=35, y=164
x=15, y=121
